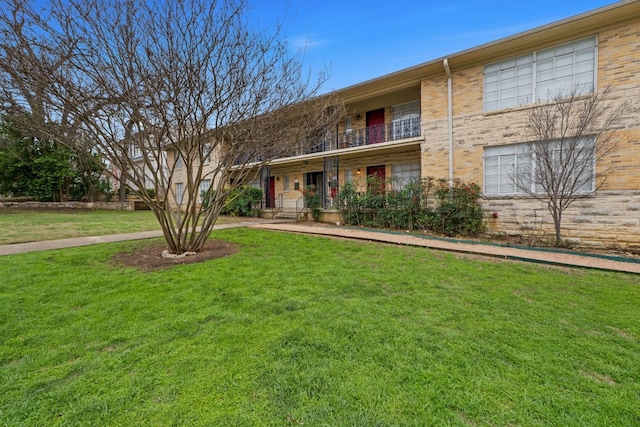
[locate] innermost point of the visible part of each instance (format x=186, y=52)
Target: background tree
x=571, y=133
x=46, y=171
x=187, y=77
x=41, y=144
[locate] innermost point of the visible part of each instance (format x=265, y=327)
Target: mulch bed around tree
x=148, y=257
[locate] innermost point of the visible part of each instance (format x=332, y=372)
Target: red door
x=271, y=197
x=377, y=171
x=375, y=177
x=375, y=126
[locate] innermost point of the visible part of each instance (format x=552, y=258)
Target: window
x=204, y=187
x=500, y=164
x=538, y=75
x=504, y=163
x=255, y=183
x=286, y=182
x=179, y=193
x=135, y=151
x=405, y=119
x=348, y=124
x=348, y=176
x=207, y=154
x=404, y=174
x=179, y=161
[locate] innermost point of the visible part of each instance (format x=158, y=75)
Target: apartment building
x=463, y=116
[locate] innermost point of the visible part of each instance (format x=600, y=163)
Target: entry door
x=379, y=173
x=271, y=196
x=317, y=179
x=375, y=126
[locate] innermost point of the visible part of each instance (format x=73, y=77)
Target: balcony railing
x=394, y=131
x=401, y=129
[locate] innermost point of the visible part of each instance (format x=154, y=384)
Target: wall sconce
x=358, y=171
x=278, y=178
x=358, y=116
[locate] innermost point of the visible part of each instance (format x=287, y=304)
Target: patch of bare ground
x=149, y=257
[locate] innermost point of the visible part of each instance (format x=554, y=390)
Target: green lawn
x=300, y=330
x=18, y=225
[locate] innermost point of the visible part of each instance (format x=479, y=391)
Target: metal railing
x=278, y=205
x=300, y=207
x=394, y=131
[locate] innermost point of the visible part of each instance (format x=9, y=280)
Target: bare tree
x=571, y=134
x=31, y=55
x=190, y=77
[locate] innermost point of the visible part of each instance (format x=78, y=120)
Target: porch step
x=288, y=213
x=285, y=215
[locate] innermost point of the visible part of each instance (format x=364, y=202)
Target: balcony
x=401, y=129
x=395, y=131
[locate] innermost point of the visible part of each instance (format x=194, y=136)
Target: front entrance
x=317, y=179
x=378, y=175
x=271, y=194
x=375, y=126
x=377, y=171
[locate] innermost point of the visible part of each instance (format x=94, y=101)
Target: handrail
x=279, y=205
x=300, y=207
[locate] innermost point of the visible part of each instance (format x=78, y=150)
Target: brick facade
x=612, y=217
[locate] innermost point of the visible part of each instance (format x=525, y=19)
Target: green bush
x=241, y=201
x=312, y=201
x=426, y=204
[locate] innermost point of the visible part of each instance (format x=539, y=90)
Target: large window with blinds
x=571, y=165
x=404, y=174
x=539, y=75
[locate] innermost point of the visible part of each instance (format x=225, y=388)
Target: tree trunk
x=122, y=194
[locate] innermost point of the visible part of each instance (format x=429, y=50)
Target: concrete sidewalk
x=564, y=258
x=19, y=248
x=601, y=262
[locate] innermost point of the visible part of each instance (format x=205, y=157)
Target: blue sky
x=359, y=40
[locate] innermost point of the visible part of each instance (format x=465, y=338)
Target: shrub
x=426, y=204
x=241, y=201
x=312, y=201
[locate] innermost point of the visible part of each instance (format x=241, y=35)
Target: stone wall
x=610, y=219
x=129, y=205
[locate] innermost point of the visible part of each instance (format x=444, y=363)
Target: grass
x=20, y=225
x=299, y=329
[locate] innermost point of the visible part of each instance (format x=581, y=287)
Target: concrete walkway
x=19, y=248
x=564, y=258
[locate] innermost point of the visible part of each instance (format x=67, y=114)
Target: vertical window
x=206, y=157
x=405, y=119
x=404, y=174
x=566, y=67
x=204, y=187
x=286, y=182
x=179, y=193
x=179, y=161
x=508, y=83
x=537, y=76
x=348, y=124
x=255, y=183
x=348, y=176
x=135, y=151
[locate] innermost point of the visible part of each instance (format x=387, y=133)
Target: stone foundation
x=609, y=220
